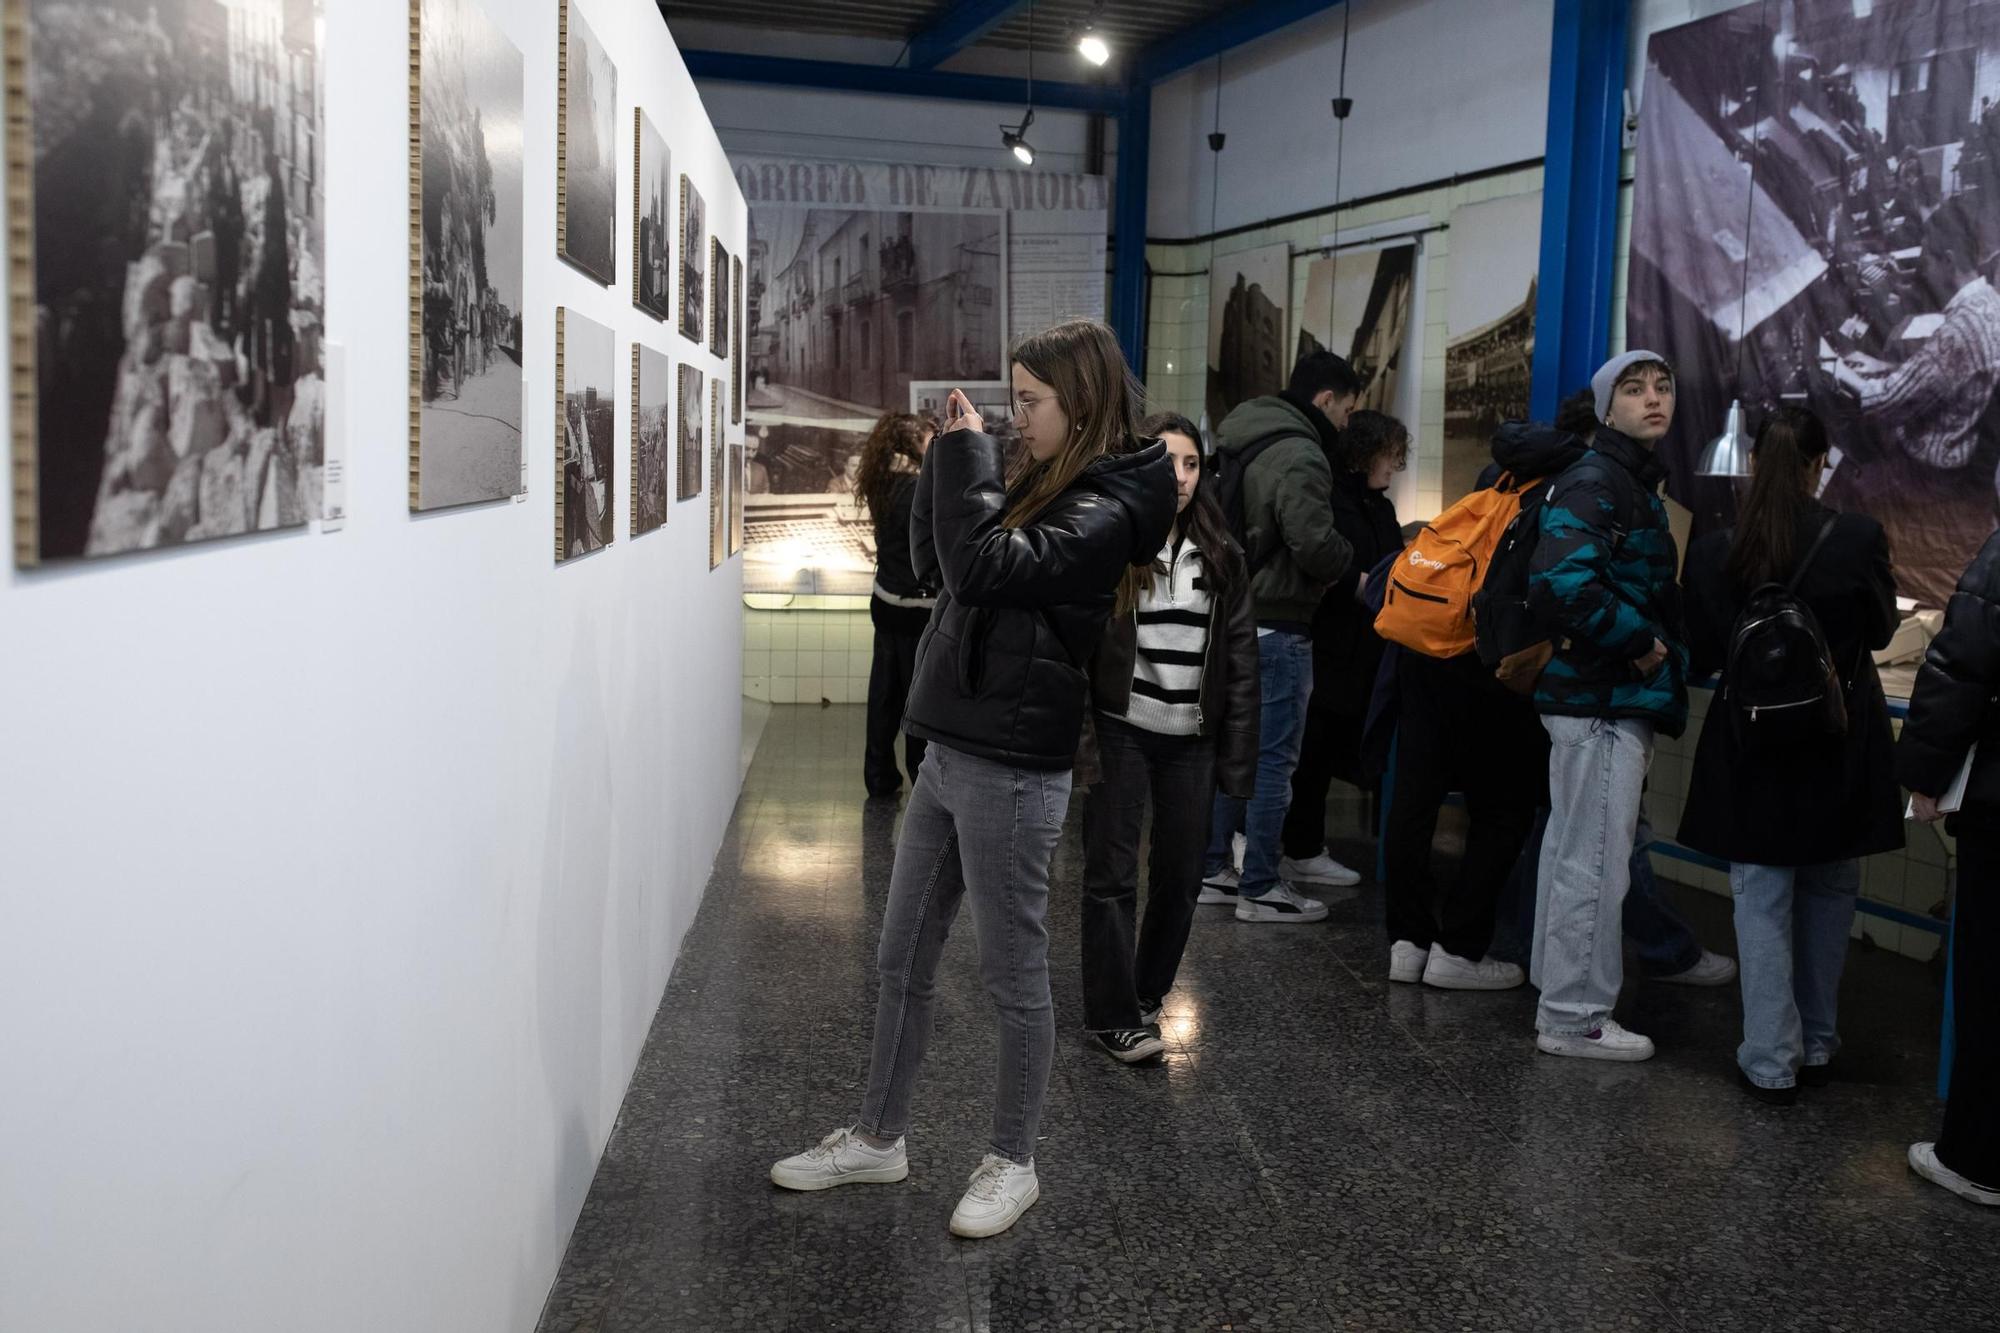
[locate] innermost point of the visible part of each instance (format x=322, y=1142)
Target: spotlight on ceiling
x=1015, y=138
x=1092, y=47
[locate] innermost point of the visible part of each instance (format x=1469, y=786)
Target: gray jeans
x=971, y=824
x=1597, y=775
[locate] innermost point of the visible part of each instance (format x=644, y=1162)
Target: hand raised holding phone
x=960, y=414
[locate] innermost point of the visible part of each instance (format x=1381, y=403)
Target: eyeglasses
x=1024, y=406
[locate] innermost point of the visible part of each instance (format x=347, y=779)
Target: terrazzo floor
x=1319, y=1149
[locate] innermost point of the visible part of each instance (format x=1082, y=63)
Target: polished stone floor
x=1319, y=1150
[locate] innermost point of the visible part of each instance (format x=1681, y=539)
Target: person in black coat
x=1793, y=819
x=1954, y=726
x=1368, y=454
x=900, y=603
x=1028, y=562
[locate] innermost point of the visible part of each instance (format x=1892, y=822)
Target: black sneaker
x=1768, y=1096
x=1816, y=1076
x=1149, y=1012
x=1131, y=1046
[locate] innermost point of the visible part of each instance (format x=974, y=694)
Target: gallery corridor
x=1319, y=1150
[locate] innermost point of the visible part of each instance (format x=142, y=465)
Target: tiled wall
x=1177, y=334
x=816, y=648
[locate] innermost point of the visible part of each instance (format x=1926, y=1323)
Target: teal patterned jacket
x=1604, y=579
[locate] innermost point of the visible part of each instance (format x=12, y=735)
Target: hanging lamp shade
x=1728, y=454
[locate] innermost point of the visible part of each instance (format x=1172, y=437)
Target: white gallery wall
x=341, y=874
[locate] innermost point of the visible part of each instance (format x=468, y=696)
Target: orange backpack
x=1427, y=604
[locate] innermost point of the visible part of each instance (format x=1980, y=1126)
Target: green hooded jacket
x=1289, y=534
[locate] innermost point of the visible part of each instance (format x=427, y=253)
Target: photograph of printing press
x=1816, y=218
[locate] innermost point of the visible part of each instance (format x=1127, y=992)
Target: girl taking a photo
x=1028, y=564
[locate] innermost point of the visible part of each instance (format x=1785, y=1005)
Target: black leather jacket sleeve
x=1236, y=741
x=1961, y=672
x=984, y=563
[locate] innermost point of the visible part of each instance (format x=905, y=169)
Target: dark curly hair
x=1370, y=435
x=896, y=435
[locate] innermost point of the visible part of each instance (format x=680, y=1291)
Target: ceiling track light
x=1090, y=43
x=1015, y=138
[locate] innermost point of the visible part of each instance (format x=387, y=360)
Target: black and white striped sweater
x=1173, y=623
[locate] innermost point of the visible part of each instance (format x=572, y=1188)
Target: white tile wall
x=803, y=650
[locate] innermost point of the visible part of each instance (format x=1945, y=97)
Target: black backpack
x=1501, y=622
x=1778, y=681
x=1227, y=471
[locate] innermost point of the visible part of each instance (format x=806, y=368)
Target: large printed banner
x=1248, y=293
x=1489, y=330
x=870, y=284
x=1357, y=306
x=1815, y=219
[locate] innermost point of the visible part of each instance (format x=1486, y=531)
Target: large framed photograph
x=689, y=400
x=718, y=484
x=586, y=147
x=652, y=419
x=652, y=262
x=736, y=497
x=466, y=186
x=586, y=417
x=718, y=331
x=167, y=305
x=736, y=343
x=694, y=259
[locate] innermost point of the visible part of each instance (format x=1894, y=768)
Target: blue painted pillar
x=1128, y=258
x=1579, y=197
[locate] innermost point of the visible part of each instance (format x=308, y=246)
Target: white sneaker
x=1609, y=1042
x=842, y=1159
x=1321, y=869
x=1447, y=971
x=1711, y=969
x=996, y=1196
x=1236, y=844
x=1406, y=962
x=1924, y=1161
x=1283, y=905
x=1220, y=889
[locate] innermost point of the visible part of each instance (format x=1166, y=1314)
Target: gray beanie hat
x=1606, y=378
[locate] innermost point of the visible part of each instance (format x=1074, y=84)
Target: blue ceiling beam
x=835, y=76
x=959, y=27
x=1224, y=32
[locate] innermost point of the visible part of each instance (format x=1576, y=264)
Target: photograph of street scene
x=588, y=156
x=584, y=438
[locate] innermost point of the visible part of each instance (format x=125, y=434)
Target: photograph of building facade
x=1489, y=330
x=1357, y=305
x=1248, y=296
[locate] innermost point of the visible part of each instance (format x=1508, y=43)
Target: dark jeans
x=889, y=675
x=1457, y=731
x=1665, y=941
x=1284, y=674
x=1178, y=772
x=1970, y=1141
x=1332, y=749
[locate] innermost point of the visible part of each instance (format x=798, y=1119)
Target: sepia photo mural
x=466, y=251
x=1248, y=294
x=587, y=148
x=168, y=314
x=1816, y=218
x=1357, y=306
x=1489, y=351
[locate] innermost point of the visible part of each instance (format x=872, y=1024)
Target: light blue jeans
x=1792, y=927
x=1285, y=671
x=1597, y=775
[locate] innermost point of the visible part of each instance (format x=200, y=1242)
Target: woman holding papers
x=1792, y=806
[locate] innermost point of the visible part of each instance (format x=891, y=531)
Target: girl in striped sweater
x=1174, y=715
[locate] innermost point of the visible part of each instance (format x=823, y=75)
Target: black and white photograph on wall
x=652, y=424
x=1496, y=249
x=694, y=262
x=1248, y=295
x=586, y=430
x=587, y=149
x=718, y=479
x=467, y=438
x=718, y=333
x=1816, y=217
x=1357, y=306
x=652, y=220
x=993, y=401
x=736, y=341
x=173, y=292
x=689, y=401
x=736, y=465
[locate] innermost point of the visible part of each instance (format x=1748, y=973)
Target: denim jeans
x=972, y=824
x=1176, y=775
x=1597, y=775
x=1665, y=941
x=1792, y=927
x=1285, y=673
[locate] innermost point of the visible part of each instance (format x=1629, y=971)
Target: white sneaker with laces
x=1711, y=969
x=841, y=1158
x=1321, y=869
x=1924, y=1161
x=996, y=1196
x=1220, y=888
x=1283, y=905
x=1609, y=1042
x=1406, y=962
x=1447, y=971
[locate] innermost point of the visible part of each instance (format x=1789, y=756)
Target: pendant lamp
x=1728, y=454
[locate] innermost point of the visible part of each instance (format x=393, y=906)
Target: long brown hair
x=1767, y=524
x=1202, y=520
x=1081, y=360
x=898, y=435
